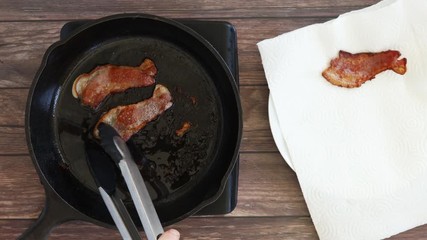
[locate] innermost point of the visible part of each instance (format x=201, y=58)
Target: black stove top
x=223, y=38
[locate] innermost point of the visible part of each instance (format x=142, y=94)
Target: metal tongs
x=104, y=173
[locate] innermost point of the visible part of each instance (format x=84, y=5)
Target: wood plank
x=191, y=228
x=12, y=140
x=239, y=228
x=256, y=130
x=254, y=141
x=268, y=187
x=201, y=228
x=47, y=10
x=21, y=49
x=252, y=31
x=254, y=101
x=22, y=196
x=23, y=44
x=257, y=136
x=13, y=102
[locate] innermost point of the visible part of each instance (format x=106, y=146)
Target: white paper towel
x=272, y=115
x=360, y=154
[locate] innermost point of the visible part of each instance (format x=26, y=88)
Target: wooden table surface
x=270, y=202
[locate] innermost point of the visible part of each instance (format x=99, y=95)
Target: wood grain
x=47, y=10
x=270, y=202
x=256, y=130
x=12, y=140
x=212, y=228
x=22, y=195
x=13, y=102
x=191, y=228
x=268, y=187
x=23, y=45
x=252, y=31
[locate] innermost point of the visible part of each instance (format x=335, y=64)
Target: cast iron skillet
x=185, y=173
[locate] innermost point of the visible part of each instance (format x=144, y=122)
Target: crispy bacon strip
x=352, y=70
x=128, y=120
x=92, y=88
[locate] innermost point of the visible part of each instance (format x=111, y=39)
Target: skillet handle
x=55, y=212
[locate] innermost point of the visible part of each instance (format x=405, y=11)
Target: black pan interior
x=183, y=173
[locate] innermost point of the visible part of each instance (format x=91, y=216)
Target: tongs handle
x=139, y=193
x=114, y=145
x=103, y=171
x=120, y=215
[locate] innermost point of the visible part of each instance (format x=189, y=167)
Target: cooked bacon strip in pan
x=352, y=70
x=92, y=88
x=184, y=129
x=128, y=120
